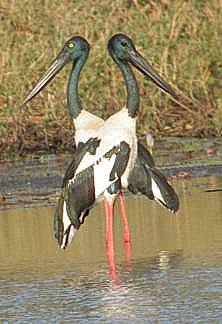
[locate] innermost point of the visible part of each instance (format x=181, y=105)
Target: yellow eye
x=70, y=45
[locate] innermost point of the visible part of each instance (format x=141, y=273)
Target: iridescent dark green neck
x=133, y=99
x=74, y=102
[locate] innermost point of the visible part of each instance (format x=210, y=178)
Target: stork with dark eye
x=108, y=158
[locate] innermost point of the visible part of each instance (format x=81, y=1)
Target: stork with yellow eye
x=108, y=158
x=70, y=45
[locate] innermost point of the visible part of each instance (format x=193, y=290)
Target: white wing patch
x=156, y=192
x=66, y=223
x=65, y=218
x=88, y=160
x=102, y=171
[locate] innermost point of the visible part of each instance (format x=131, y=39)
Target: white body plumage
x=116, y=129
x=86, y=126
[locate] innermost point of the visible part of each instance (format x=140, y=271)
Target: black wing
x=122, y=152
x=147, y=180
x=76, y=196
x=140, y=179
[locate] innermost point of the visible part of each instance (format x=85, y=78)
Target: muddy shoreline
x=36, y=180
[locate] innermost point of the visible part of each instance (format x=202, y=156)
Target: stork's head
x=119, y=46
x=123, y=51
x=75, y=48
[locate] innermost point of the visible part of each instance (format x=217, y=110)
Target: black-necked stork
x=144, y=178
x=86, y=124
x=75, y=50
x=113, y=143
x=107, y=165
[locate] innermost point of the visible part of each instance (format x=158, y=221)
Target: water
x=175, y=273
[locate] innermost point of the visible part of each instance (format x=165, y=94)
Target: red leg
x=109, y=239
x=106, y=208
x=109, y=230
x=126, y=233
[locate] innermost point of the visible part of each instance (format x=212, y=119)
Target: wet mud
x=36, y=180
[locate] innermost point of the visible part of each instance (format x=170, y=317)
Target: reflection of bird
x=103, y=165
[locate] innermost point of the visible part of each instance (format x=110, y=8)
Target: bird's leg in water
x=109, y=237
x=126, y=233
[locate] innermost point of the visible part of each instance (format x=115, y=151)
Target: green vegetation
x=182, y=39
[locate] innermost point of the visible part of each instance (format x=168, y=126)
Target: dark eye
x=124, y=44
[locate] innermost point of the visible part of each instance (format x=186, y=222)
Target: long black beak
x=61, y=59
x=143, y=66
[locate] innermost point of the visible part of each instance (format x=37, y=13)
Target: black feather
x=171, y=200
x=122, y=157
x=140, y=180
x=89, y=147
x=78, y=193
x=80, y=196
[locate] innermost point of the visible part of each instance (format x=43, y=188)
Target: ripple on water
x=175, y=274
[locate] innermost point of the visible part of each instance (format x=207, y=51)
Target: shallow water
x=175, y=273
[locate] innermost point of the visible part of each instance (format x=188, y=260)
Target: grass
x=182, y=39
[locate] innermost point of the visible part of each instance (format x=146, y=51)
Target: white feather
x=72, y=232
x=156, y=191
x=65, y=218
x=66, y=224
x=101, y=175
x=86, y=126
x=123, y=129
x=116, y=129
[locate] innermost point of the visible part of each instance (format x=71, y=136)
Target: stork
x=144, y=178
x=97, y=135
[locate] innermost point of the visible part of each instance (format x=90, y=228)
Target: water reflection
x=175, y=272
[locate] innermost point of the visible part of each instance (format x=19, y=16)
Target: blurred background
x=181, y=39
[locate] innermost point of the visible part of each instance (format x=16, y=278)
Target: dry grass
x=182, y=39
